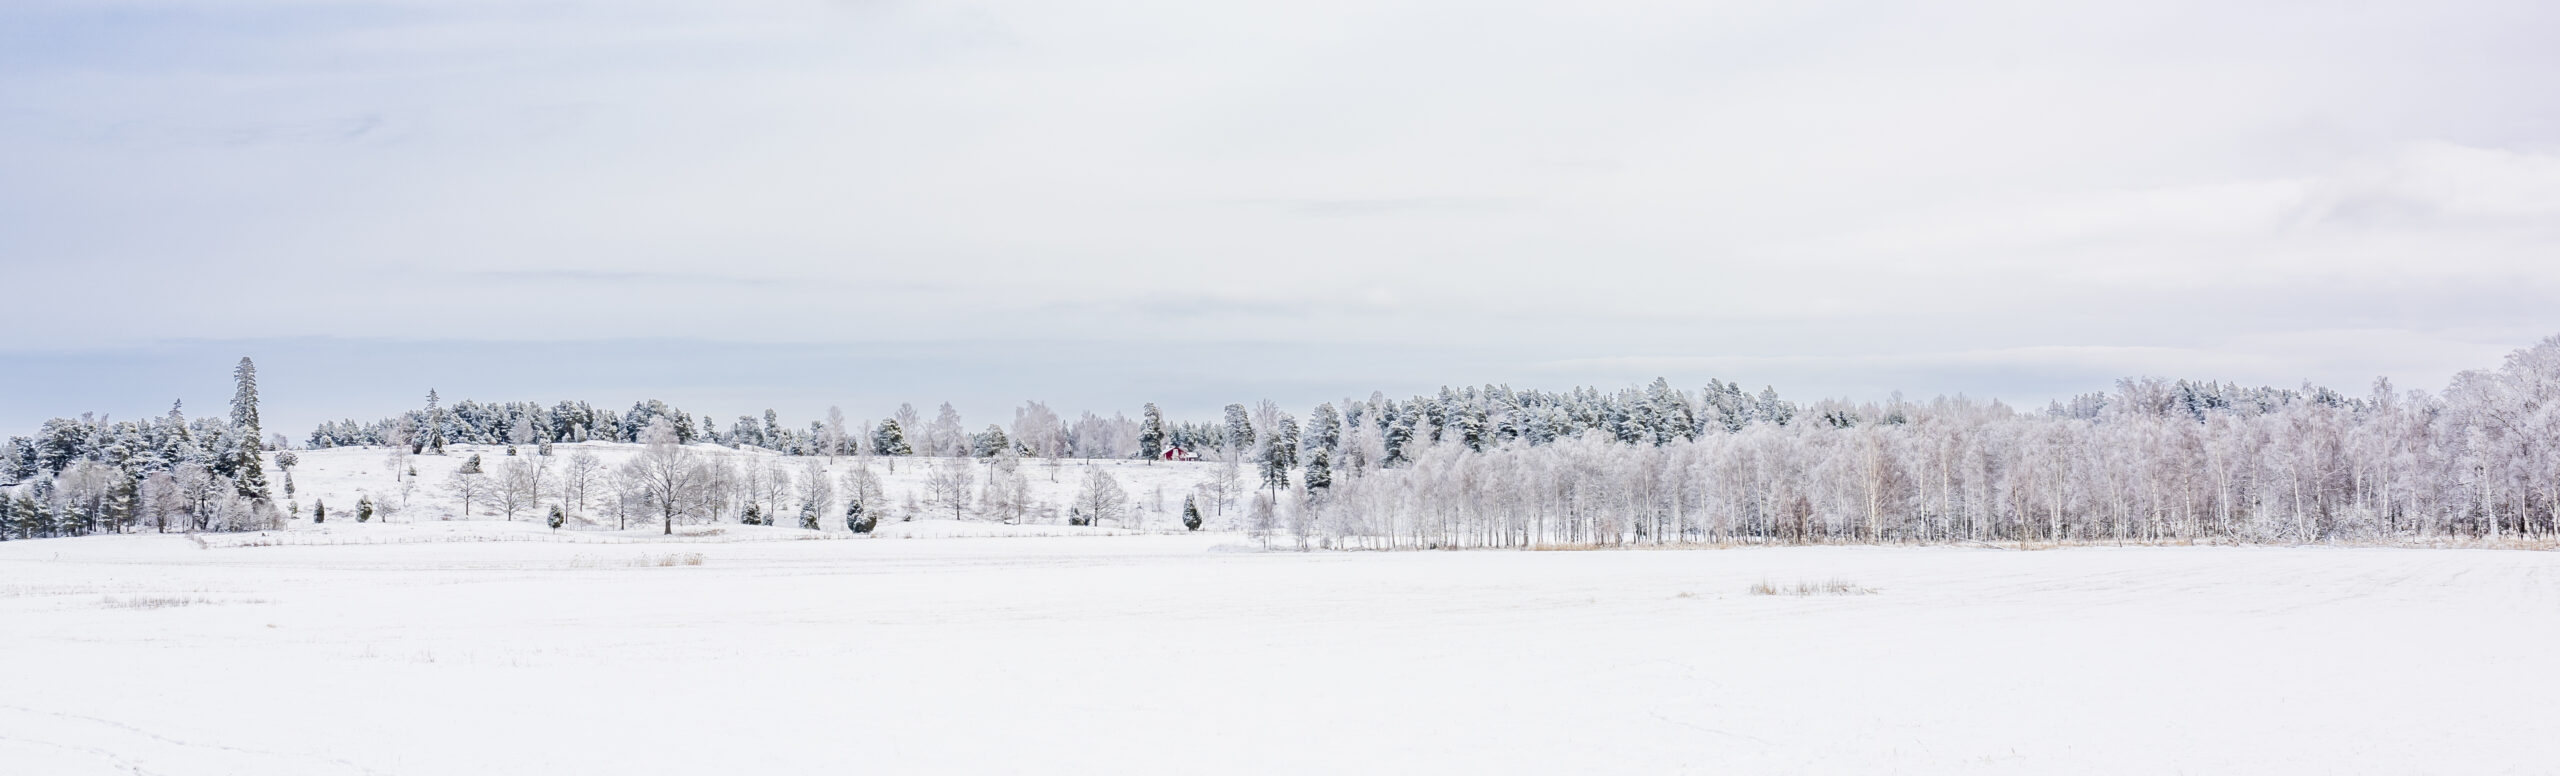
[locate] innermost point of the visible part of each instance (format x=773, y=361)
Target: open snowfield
x=1163, y=654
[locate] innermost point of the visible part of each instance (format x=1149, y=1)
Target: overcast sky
x=736, y=204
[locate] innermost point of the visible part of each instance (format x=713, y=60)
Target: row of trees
x=670, y=483
x=1036, y=431
x=90, y=474
x=2152, y=460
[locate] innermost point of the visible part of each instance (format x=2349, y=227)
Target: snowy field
x=1170, y=654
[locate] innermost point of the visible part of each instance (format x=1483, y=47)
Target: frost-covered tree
x=816, y=493
x=430, y=435
x=1007, y=497
x=1279, y=454
x=948, y=486
x=990, y=443
x=1100, y=499
x=1037, y=430
x=1239, y=427
x=834, y=438
x=521, y=485
x=863, y=497
x=468, y=485
x=891, y=439
x=579, y=477
x=1319, y=474
x=666, y=477
x=946, y=437
x=1151, y=433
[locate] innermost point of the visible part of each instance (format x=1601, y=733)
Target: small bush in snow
x=1832, y=587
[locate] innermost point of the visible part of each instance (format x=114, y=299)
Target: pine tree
x=1275, y=465
x=989, y=442
x=558, y=517
x=890, y=439
x=809, y=515
x=1286, y=441
x=753, y=514
x=1398, y=437
x=472, y=466
x=364, y=508
x=1190, y=512
x=1150, y=433
x=320, y=512
x=1239, y=429
x=1324, y=428
x=1319, y=473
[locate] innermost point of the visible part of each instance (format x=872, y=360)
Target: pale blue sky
x=796, y=203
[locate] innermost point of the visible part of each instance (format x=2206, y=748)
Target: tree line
x=2151, y=460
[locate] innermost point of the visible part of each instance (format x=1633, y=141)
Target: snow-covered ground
x=339, y=476
x=1163, y=654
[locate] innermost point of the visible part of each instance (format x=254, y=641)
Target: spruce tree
x=364, y=508
x=431, y=438
x=244, y=397
x=320, y=512
x=857, y=519
x=1190, y=512
x=809, y=515
x=472, y=466
x=246, y=469
x=1319, y=472
x=1151, y=434
x=558, y=517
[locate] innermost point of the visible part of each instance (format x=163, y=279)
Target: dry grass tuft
x=677, y=559
x=166, y=601
x=1833, y=586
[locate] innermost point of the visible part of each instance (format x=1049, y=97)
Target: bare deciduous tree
x=948, y=486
